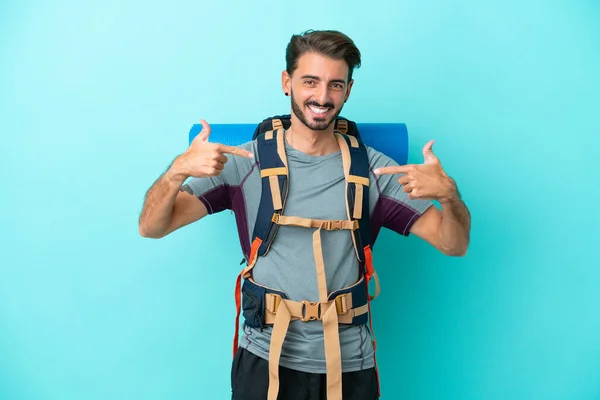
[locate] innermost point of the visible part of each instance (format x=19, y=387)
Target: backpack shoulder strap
x=356, y=172
x=274, y=179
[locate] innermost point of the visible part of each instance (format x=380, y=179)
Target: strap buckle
x=332, y=225
x=275, y=218
x=341, y=304
x=310, y=311
x=335, y=225
x=272, y=302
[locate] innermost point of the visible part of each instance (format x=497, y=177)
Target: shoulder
x=378, y=159
x=252, y=147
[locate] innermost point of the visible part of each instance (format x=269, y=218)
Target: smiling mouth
x=319, y=111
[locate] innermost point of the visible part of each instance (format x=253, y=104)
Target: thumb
x=205, y=132
x=428, y=153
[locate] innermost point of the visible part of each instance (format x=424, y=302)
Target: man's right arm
x=168, y=206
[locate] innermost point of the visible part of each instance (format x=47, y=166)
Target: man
x=318, y=77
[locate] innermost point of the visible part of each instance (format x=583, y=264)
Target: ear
x=349, y=90
x=286, y=82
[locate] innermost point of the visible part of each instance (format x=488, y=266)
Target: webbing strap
x=328, y=225
x=353, y=141
x=346, y=165
x=281, y=147
x=357, y=212
x=358, y=180
x=280, y=328
x=342, y=125
x=359, y=183
x=277, y=124
x=333, y=354
x=333, y=358
x=278, y=201
x=320, y=265
x=310, y=311
x=345, y=154
x=275, y=193
x=273, y=171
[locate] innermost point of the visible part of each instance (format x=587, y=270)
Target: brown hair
x=332, y=44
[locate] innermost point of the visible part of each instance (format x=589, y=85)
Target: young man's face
x=319, y=89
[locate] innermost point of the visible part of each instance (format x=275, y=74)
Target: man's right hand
x=203, y=158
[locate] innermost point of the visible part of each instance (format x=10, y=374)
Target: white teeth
x=318, y=110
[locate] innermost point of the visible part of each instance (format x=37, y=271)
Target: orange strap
x=238, y=290
x=368, y=262
x=371, y=273
x=238, y=306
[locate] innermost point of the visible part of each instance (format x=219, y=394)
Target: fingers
x=221, y=148
x=213, y=167
x=399, y=169
x=224, y=149
x=404, y=180
x=218, y=162
x=221, y=158
x=428, y=147
x=205, y=132
x=428, y=155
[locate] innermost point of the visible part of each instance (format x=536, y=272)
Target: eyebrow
x=316, y=78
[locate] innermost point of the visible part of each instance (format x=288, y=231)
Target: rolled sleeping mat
x=390, y=139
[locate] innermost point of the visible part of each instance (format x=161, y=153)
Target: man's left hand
x=424, y=181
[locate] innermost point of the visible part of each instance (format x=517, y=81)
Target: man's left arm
x=447, y=230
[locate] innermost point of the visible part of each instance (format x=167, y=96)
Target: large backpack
x=264, y=306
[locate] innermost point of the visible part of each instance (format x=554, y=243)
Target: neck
x=313, y=143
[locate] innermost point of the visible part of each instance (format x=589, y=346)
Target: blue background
x=97, y=98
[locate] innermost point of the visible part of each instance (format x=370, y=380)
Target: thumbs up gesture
x=204, y=159
x=424, y=181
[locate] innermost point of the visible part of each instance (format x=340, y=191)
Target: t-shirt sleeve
x=394, y=209
x=215, y=192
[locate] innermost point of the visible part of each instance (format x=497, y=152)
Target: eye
x=337, y=86
x=309, y=82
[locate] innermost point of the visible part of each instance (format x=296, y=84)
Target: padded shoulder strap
x=356, y=171
x=274, y=178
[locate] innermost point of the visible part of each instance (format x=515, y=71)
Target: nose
x=322, y=94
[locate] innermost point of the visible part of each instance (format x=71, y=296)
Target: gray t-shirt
x=316, y=190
